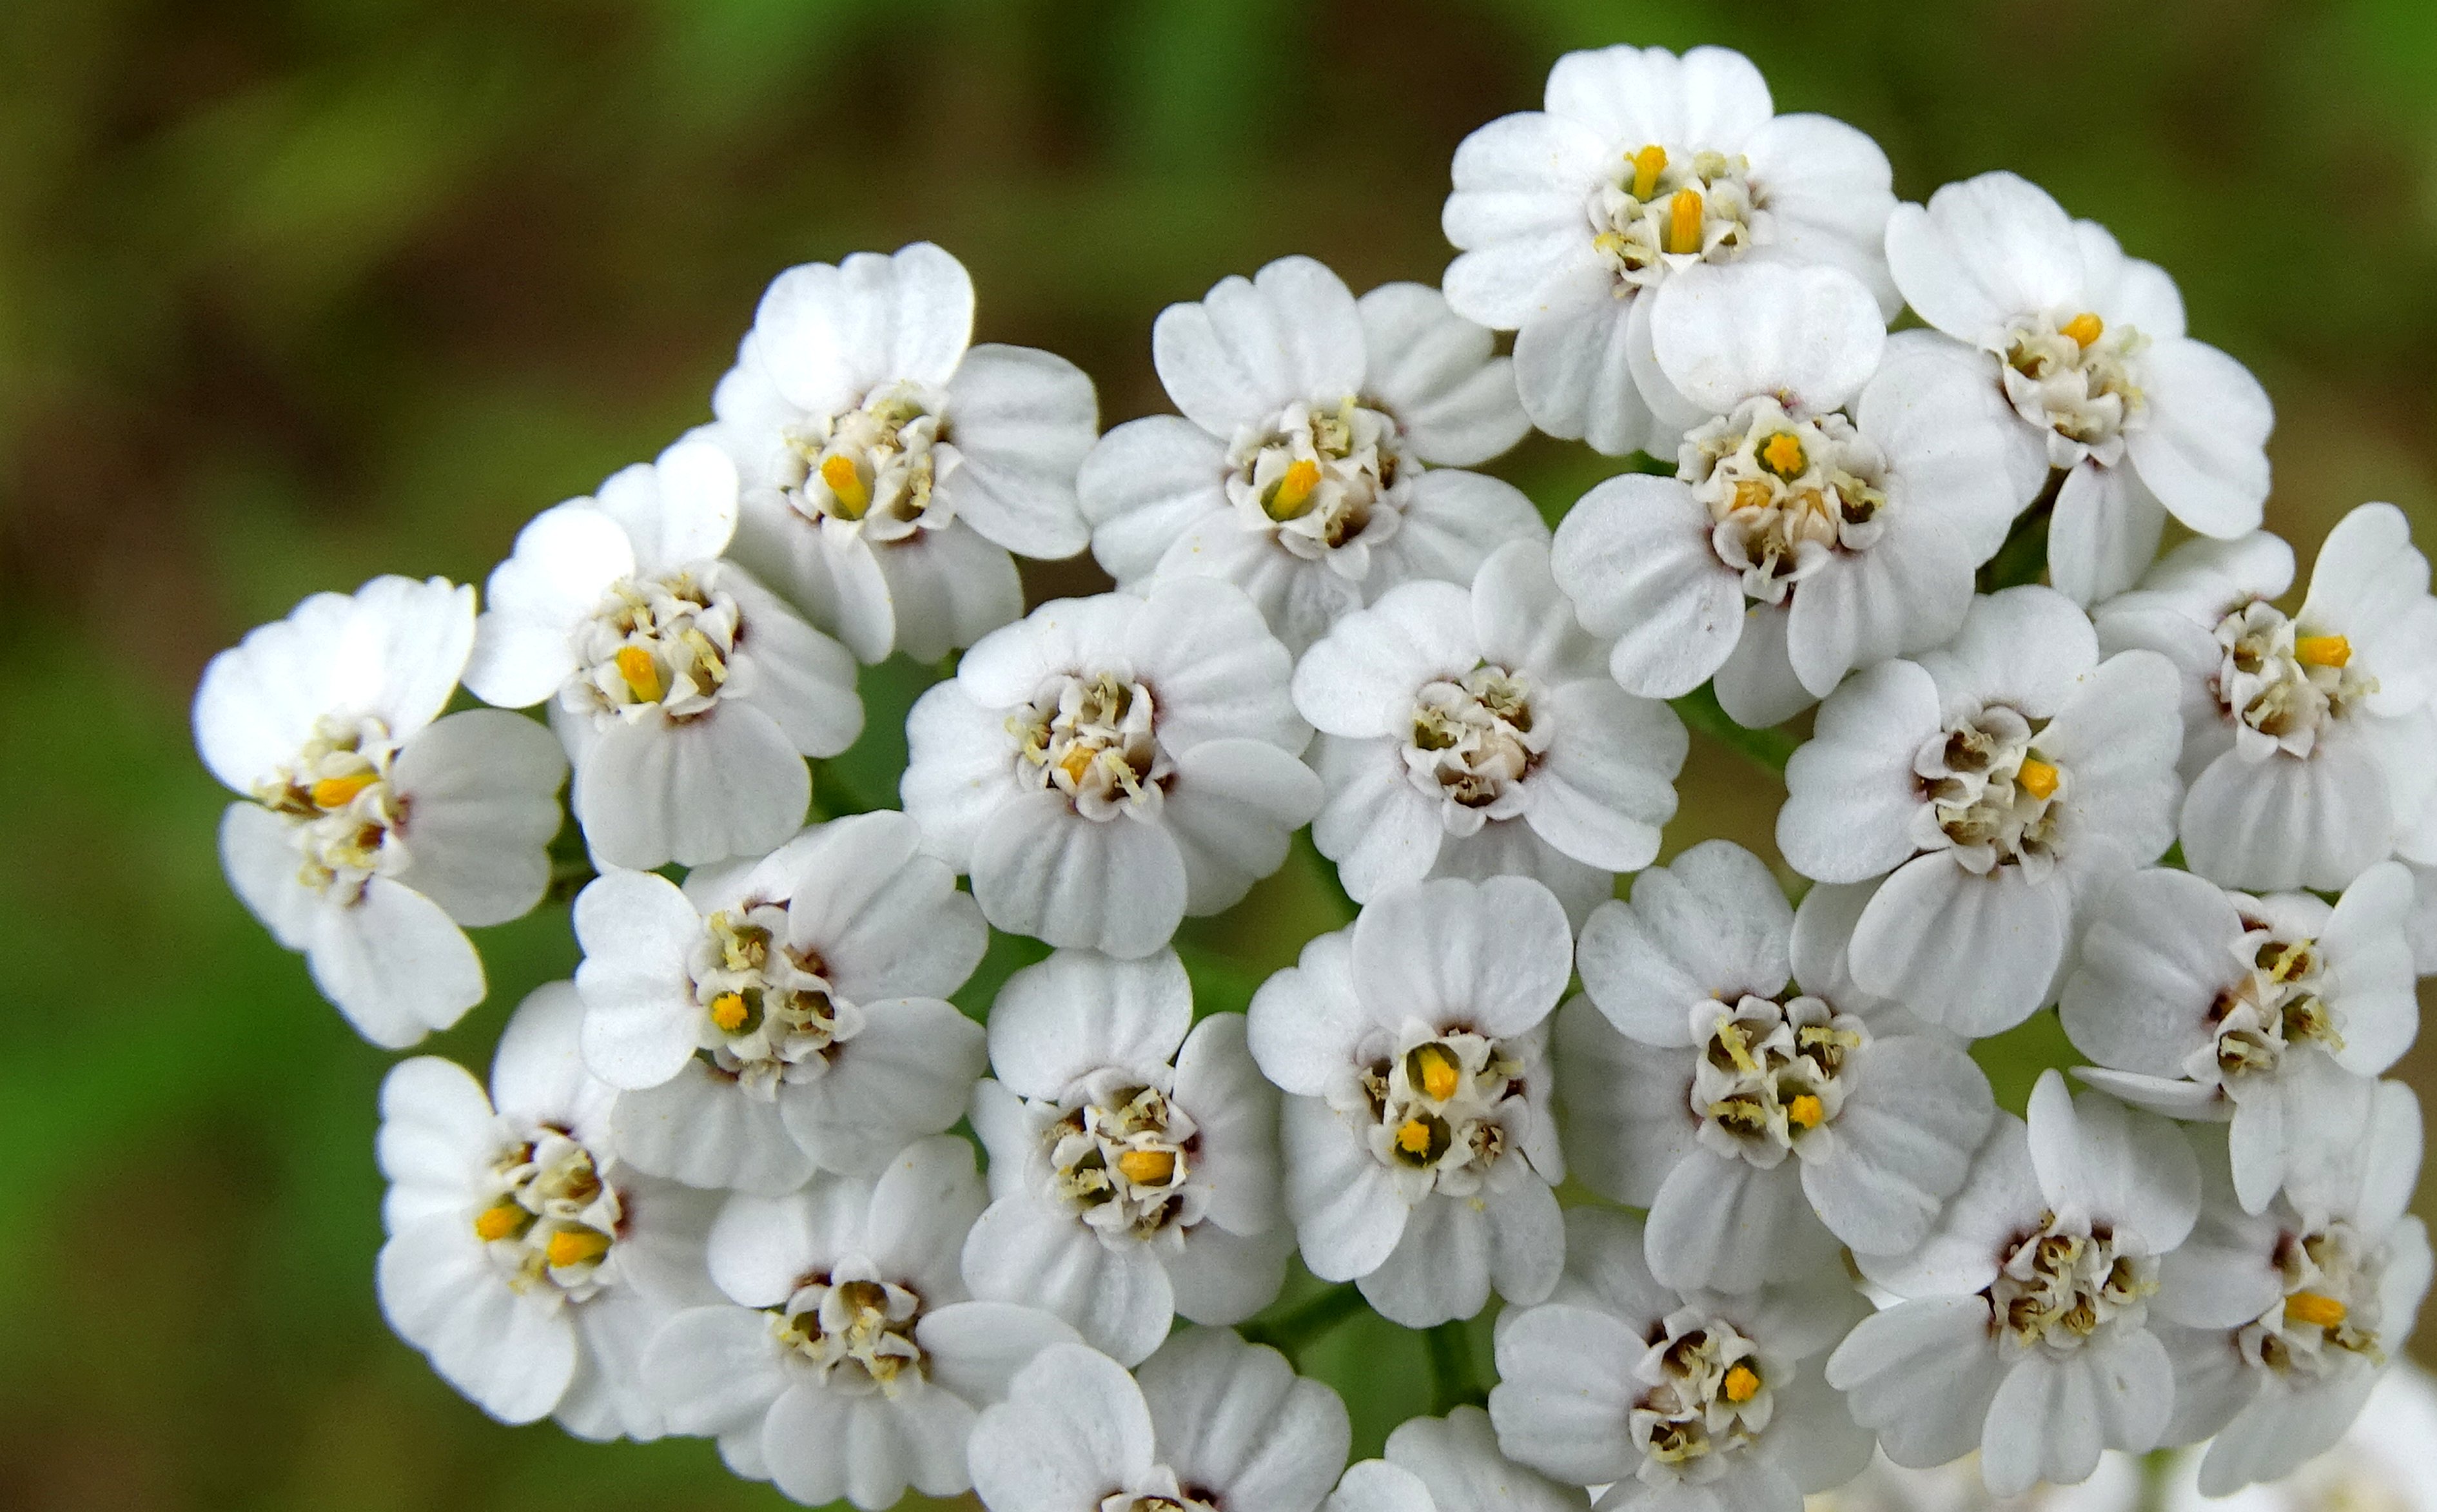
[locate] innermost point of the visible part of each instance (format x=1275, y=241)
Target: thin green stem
x=1303, y=1323
x=1767, y=748
x=1452, y=1381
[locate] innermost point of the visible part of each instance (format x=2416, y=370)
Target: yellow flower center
x=2084, y=328
x=1743, y=1384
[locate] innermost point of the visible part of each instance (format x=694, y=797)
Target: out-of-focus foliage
x=293, y=293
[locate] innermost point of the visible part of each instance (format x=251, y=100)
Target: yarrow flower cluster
x=1749, y=1218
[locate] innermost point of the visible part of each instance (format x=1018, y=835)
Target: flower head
x=1133, y=1155
x=687, y=695
x=1468, y=732
x=370, y=830
x=1577, y=220
x=889, y=468
x=1316, y=462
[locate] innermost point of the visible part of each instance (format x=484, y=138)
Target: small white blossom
x=1108, y=765
x=1689, y=1400
x=1207, y=1424
x=1732, y=1080
x=2275, y=1012
x=889, y=467
x=2088, y=345
x=1575, y=220
x=524, y=1258
x=371, y=830
x=1132, y=1156
x=1419, y=1148
x=2382, y=1461
x=2305, y=736
x=2282, y=1322
x=1830, y=506
x=779, y=1016
x=1318, y=461
x=1448, y=1465
x=2023, y=1328
x=847, y=1362
x=1474, y=733
x=687, y=695
x=2005, y=780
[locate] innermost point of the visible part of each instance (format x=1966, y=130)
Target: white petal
x=1347, y=1213
x=395, y=963
x=1306, y=1020
x=1850, y=793
x=1117, y=1298
x=1810, y=336
x=960, y=769
x=1627, y=1110
x=1458, y=1458
x=1524, y=621
x=804, y=681
x=1494, y=955
x=1453, y=521
x=2117, y=736
x=1606, y=783
x=945, y=588
x=1074, y=1426
x=511, y=1358
x=1023, y=421
x=1219, y=672
x=760, y=1246
x=1573, y=361
x=1236, y=1115
x=1634, y=556
x=566, y=558
x=902, y=317
x=1999, y=1198
x=537, y=1073
x=1361, y=679
x=1984, y=252
x=1375, y=1485
x=1043, y=870
x=1757, y=686
x=2027, y=647
x=832, y=576
x=437, y=1140
x=1903, y=1144
x=2151, y=966
x=2096, y=1157
x=884, y=920
x=1565, y=1390
x=1380, y=829
x=1441, y=1267
x=1235, y=1418
x=1078, y=1011
x=728, y=783
x=715, y=1370
x=1250, y=347
x=1440, y=376
x=2104, y=532
x=258, y=852
x=1906, y=594
x=2282, y=822
x=1724, y=1224
x=1221, y=1279
x=704, y=1132
x=976, y=1348
x=1828, y=192
x=679, y=509
x=1935, y=407
x=2203, y=452
x=480, y=790
x=1921, y=1374
x=1711, y=924
x=1144, y=485
x=1976, y=953
x=641, y=1021
x=1516, y=212
x=907, y=1073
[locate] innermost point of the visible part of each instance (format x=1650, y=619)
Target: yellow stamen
x=337, y=792
x=1684, y=222
x=2038, y=778
x=1805, y=1112
x=1075, y=762
x=1648, y=164
x=1743, y=1384
x=2084, y=328
x=1148, y=1168
x=2322, y=650
x=2317, y=1308
x=846, y=485
x=641, y=674
x=1292, y=495
x=1433, y=1066
x=727, y=1011
x=576, y=1246
x=503, y=1222
x=1414, y=1138
x=1782, y=454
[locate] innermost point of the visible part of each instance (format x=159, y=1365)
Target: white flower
x=848, y=1361
x=1297, y=471
x=779, y=1016
x=1575, y=222
x=2306, y=737
x=1734, y=1082
x=686, y=693
x=1108, y=765
x=371, y=830
x=2005, y=780
x=2027, y=1329
x=2272, y=1013
x=1132, y=1164
x=2381, y=1462
x=1214, y=1423
x=523, y=1258
x=1687, y=1399
x=1474, y=733
x=2089, y=347
x=1448, y=1465
x=1828, y=510
x=1419, y=1148
x=889, y=468
x=2287, y=1319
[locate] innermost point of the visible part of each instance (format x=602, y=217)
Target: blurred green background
x=293, y=293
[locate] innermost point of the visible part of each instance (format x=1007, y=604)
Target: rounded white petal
x=1634, y=556
x=1711, y=924
x=565, y=559
x=1234, y=1418
x=1251, y=346
x=1981, y=254
x=395, y=963
x=907, y=1073
x=2104, y=532
x=1438, y=373
x=1146, y=484
x=641, y=1021
x=701, y=1130
x=2203, y=452
x=1493, y=955
x=1976, y=953
x=1042, y=869
x=1361, y=679
x=1811, y=337
x=1078, y=1011
x=510, y=1356
x=1850, y=793
x=653, y=790
x=1031, y=1249
x=1023, y=421
x=1573, y=355
x=1307, y=1020
x=1073, y=1427
x=479, y=793
x=2283, y=824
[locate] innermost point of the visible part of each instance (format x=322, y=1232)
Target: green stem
x=1291, y=1331
x=1769, y=748
x=1452, y=1382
